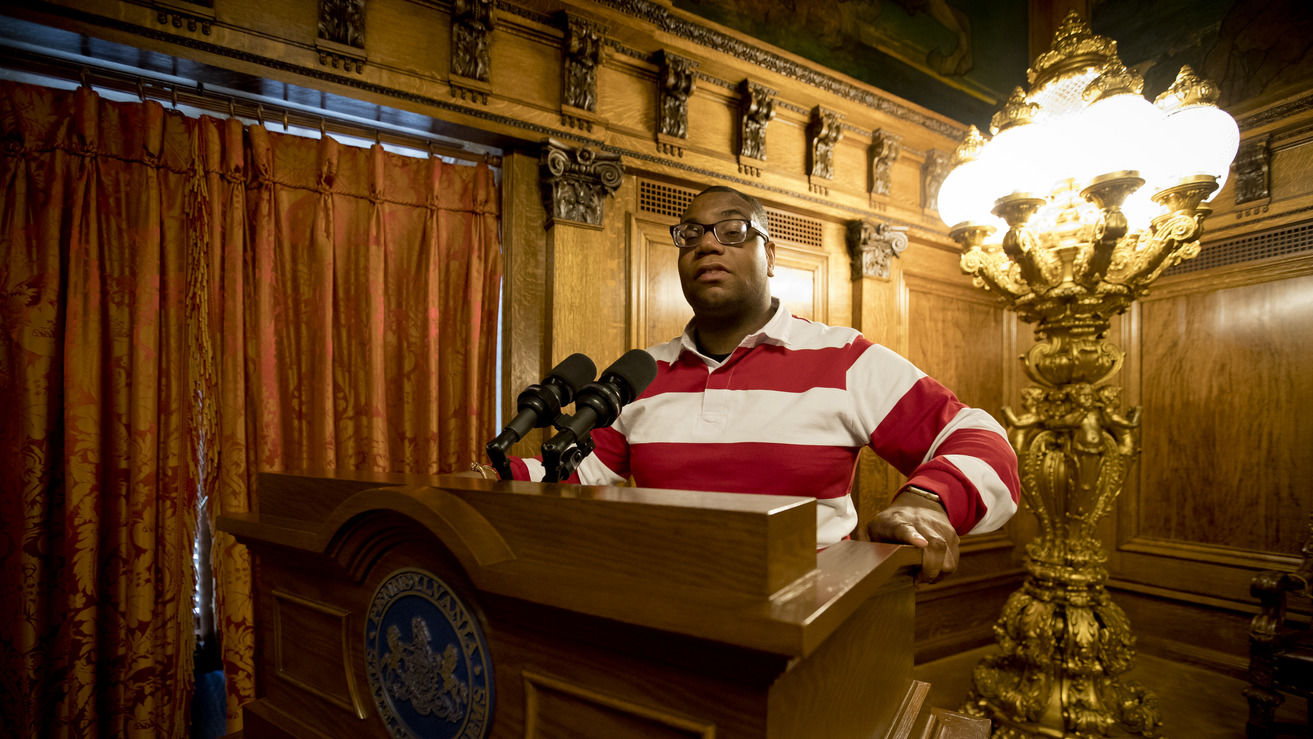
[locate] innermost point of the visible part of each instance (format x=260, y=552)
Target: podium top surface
x=737, y=568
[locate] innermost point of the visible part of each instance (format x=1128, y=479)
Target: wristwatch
x=914, y=490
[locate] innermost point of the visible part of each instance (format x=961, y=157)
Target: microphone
x=539, y=405
x=597, y=406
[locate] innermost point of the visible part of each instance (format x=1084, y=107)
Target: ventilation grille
x=799, y=230
x=1250, y=248
x=668, y=200
x=664, y=200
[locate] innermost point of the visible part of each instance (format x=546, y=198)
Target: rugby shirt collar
x=776, y=331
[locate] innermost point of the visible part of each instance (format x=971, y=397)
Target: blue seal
x=427, y=660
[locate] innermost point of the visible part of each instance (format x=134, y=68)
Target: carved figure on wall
x=823, y=132
x=677, y=81
x=756, y=109
x=575, y=182
x=1252, y=168
x=471, y=28
x=342, y=22
x=583, y=51
x=933, y=173
x=884, y=150
x=871, y=245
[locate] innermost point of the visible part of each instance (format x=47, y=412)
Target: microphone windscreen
x=636, y=368
x=575, y=371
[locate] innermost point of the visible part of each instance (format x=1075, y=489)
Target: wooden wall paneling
x=956, y=334
x=525, y=326
x=658, y=311
x=1226, y=375
x=801, y=282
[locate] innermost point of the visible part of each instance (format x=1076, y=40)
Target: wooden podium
x=391, y=605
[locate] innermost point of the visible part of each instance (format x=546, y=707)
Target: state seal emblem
x=427, y=660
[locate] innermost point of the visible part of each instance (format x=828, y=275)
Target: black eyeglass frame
x=714, y=229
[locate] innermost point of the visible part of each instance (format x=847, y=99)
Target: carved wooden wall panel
x=955, y=334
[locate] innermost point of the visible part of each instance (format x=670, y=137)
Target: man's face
x=725, y=281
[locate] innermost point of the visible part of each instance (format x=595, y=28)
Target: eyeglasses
x=730, y=232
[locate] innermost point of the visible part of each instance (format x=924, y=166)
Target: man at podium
x=752, y=399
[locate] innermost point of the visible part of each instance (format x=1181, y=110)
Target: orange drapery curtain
x=185, y=302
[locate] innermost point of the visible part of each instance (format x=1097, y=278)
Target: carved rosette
x=933, y=171
x=823, y=131
x=581, y=55
x=885, y=147
x=471, y=31
x=576, y=181
x=871, y=245
x=1252, y=171
x=676, y=82
x=193, y=15
x=756, y=109
x=341, y=40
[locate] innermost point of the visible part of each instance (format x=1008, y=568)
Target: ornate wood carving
x=342, y=22
x=580, y=56
x=823, y=132
x=471, y=31
x=575, y=182
x=871, y=245
x=884, y=150
x=933, y=173
x=676, y=81
x=342, y=34
x=756, y=109
x=1253, y=169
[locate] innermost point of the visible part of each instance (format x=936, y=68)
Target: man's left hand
x=924, y=524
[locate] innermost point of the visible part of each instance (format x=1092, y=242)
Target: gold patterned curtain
x=367, y=327
x=185, y=302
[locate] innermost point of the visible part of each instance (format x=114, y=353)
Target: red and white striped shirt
x=787, y=413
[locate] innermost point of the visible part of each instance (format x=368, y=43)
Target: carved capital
x=756, y=109
x=576, y=181
x=871, y=245
x=885, y=147
x=823, y=131
x=581, y=54
x=1253, y=171
x=933, y=173
x=471, y=29
x=676, y=82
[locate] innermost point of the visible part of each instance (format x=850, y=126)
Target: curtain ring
x=378, y=137
x=85, y=77
x=284, y=120
x=173, y=95
x=200, y=89
x=323, y=127
x=232, y=108
x=259, y=113
x=141, y=90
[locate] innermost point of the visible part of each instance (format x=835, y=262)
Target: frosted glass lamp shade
x=1201, y=139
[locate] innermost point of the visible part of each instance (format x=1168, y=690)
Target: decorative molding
x=576, y=181
x=885, y=147
x=471, y=32
x=373, y=88
x=634, y=716
x=1275, y=113
x=756, y=109
x=185, y=14
x=652, y=11
x=823, y=131
x=676, y=83
x=933, y=173
x=581, y=53
x=1252, y=170
x=871, y=246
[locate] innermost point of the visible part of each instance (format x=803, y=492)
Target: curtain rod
x=234, y=104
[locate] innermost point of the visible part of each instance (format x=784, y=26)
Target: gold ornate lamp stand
x=1067, y=263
